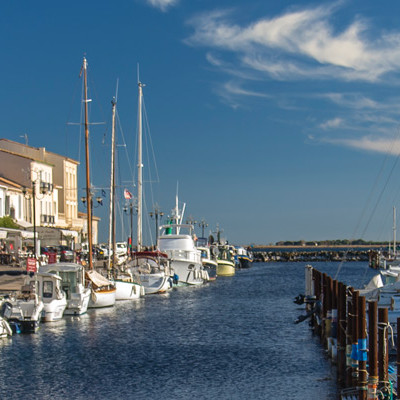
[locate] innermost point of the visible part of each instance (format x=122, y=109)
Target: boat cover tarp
x=97, y=279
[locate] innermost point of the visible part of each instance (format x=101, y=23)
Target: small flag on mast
x=127, y=194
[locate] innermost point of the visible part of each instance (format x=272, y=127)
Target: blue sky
x=279, y=120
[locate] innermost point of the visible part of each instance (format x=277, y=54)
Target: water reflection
x=230, y=339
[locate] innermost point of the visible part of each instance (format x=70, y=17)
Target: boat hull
x=225, y=268
x=188, y=272
x=102, y=298
x=25, y=315
x=127, y=290
x=155, y=283
x=244, y=262
x=78, y=303
x=54, y=311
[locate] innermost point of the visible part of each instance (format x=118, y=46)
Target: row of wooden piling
x=359, y=346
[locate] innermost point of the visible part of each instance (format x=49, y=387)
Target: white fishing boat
x=49, y=290
x=153, y=271
x=73, y=284
x=103, y=292
x=184, y=257
x=25, y=310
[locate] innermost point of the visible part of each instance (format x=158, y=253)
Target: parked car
x=66, y=254
x=45, y=251
x=104, y=248
x=121, y=249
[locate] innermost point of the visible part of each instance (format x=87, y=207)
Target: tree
x=8, y=222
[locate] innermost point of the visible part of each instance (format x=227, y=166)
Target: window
x=47, y=289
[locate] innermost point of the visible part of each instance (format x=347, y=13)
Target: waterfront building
x=53, y=180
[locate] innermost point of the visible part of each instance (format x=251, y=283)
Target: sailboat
x=181, y=249
x=126, y=287
x=102, y=290
x=152, y=268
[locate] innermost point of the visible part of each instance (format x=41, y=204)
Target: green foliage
x=8, y=222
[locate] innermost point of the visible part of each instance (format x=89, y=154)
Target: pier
x=355, y=334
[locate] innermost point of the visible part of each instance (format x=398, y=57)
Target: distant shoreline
x=348, y=246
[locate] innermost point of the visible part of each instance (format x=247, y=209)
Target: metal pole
x=34, y=218
x=131, y=212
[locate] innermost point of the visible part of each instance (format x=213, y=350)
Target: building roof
x=8, y=182
x=38, y=149
x=26, y=157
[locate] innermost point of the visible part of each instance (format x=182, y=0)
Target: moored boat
x=244, y=257
x=103, y=292
x=73, y=284
x=51, y=294
x=152, y=270
x=208, y=256
x=225, y=261
x=25, y=310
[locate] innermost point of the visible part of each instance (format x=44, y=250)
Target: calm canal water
x=230, y=339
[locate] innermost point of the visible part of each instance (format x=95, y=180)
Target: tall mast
x=88, y=191
x=111, y=237
x=394, y=231
x=140, y=167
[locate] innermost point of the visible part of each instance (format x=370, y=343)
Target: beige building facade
x=54, y=179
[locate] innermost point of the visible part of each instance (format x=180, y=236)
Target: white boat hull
x=78, y=303
x=54, y=310
x=102, y=298
x=127, y=290
x=155, y=283
x=188, y=272
x=27, y=314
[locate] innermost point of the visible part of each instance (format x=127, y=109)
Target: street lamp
x=156, y=213
x=203, y=225
x=191, y=221
x=45, y=189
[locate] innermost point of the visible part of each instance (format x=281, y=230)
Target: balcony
x=47, y=219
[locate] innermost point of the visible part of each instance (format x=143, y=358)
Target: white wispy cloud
x=332, y=123
x=163, y=5
x=303, y=42
x=373, y=144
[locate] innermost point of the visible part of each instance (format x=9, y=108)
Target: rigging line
x=124, y=143
x=151, y=141
x=380, y=194
x=149, y=144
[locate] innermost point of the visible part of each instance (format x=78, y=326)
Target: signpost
x=31, y=265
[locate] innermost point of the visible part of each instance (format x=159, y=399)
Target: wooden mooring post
x=357, y=341
x=373, y=349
